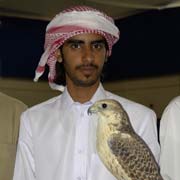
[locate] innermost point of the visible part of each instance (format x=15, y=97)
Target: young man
x=57, y=138
x=169, y=140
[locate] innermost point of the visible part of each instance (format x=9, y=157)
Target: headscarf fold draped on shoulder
x=68, y=23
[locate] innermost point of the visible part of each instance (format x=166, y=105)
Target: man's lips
x=87, y=68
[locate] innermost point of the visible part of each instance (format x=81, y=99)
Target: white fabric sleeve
x=170, y=141
x=149, y=133
x=24, y=165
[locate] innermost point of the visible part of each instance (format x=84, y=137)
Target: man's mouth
x=87, y=69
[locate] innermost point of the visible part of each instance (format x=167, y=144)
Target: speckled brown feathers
x=121, y=150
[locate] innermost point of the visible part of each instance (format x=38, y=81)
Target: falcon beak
x=91, y=110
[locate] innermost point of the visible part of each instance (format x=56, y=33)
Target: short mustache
x=86, y=65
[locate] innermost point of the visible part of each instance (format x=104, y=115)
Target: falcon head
x=110, y=112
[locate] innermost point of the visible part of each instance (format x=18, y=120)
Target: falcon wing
x=134, y=156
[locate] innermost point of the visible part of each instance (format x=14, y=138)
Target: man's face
x=83, y=57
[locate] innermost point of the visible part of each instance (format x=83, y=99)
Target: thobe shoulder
x=132, y=106
x=48, y=104
x=173, y=104
x=170, y=118
x=42, y=111
x=170, y=113
x=169, y=157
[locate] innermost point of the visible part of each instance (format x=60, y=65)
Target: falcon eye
x=104, y=105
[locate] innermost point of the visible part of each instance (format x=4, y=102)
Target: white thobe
x=57, y=139
x=170, y=141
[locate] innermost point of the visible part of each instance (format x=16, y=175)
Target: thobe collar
x=67, y=100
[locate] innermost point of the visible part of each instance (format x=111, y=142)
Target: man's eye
x=98, y=45
x=75, y=46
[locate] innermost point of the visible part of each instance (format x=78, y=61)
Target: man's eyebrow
x=71, y=41
x=99, y=41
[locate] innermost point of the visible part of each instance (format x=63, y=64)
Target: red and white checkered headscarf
x=68, y=23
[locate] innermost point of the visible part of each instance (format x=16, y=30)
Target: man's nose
x=88, y=54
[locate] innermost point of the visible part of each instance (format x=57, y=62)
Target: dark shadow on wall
x=148, y=46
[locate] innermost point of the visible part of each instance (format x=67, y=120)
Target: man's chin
x=86, y=83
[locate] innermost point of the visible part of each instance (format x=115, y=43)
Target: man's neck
x=82, y=94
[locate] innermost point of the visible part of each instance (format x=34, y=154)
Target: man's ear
x=58, y=55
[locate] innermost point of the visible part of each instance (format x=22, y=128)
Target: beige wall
x=153, y=92
x=27, y=91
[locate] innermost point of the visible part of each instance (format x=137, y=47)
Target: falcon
x=123, y=152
